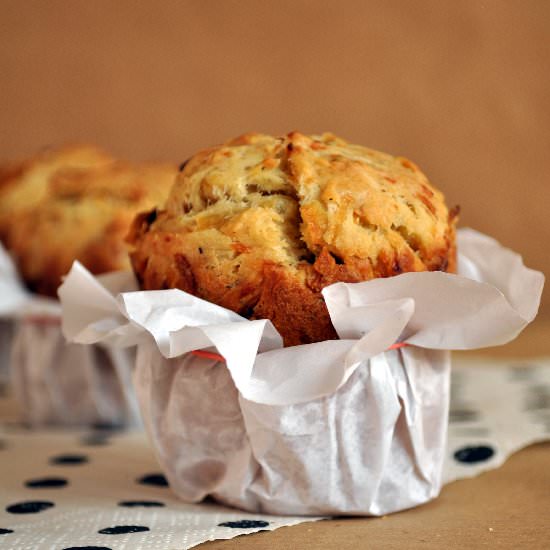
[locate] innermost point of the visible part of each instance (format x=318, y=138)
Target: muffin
x=78, y=211
x=261, y=224
x=22, y=184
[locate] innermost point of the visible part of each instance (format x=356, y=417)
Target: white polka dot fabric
x=102, y=489
x=106, y=491
x=497, y=408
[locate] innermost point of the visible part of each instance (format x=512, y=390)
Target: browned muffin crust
x=82, y=211
x=261, y=224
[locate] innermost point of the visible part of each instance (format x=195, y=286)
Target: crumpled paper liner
x=353, y=452
x=56, y=382
x=337, y=427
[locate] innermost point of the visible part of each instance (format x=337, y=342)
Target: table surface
x=504, y=508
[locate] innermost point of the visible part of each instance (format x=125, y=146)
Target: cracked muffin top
x=261, y=224
x=76, y=203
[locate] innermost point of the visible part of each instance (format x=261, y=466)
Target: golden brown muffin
x=261, y=224
x=84, y=214
x=24, y=184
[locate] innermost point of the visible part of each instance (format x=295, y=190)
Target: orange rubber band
x=208, y=355
x=42, y=320
x=398, y=345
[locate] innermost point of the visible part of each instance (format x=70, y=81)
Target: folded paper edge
x=520, y=321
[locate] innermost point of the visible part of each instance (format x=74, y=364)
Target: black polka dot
x=123, y=529
x=108, y=427
x=244, y=524
x=538, y=398
x=29, y=507
x=5, y=531
x=95, y=439
x=463, y=415
x=14, y=426
x=87, y=548
x=473, y=431
x=69, y=459
x=470, y=455
x=138, y=503
x=153, y=479
x=521, y=372
x=46, y=482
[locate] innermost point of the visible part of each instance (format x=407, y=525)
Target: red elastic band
x=48, y=320
x=398, y=345
x=208, y=355
x=42, y=320
x=218, y=357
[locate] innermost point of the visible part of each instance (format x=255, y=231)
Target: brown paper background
x=462, y=88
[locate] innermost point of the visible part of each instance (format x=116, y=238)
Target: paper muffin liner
x=55, y=382
x=337, y=427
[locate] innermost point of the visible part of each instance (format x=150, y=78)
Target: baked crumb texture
x=74, y=203
x=261, y=224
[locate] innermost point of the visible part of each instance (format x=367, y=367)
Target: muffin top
x=78, y=210
x=22, y=183
x=261, y=224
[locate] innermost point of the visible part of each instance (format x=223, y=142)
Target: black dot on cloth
x=521, y=372
x=538, y=398
x=138, y=503
x=123, y=529
x=87, y=548
x=470, y=455
x=463, y=415
x=46, y=482
x=10, y=426
x=474, y=431
x=107, y=427
x=94, y=440
x=244, y=524
x=29, y=507
x=5, y=531
x=69, y=459
x=153, y=479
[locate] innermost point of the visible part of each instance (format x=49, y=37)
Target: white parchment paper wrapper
x=337, y=427
x=12, y=296
x=56, y=382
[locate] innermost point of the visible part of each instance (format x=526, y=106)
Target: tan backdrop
x=459, y=87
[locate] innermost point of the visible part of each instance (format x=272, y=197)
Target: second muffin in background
x=77, y=210
x=24, y=183
x=71, y=203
